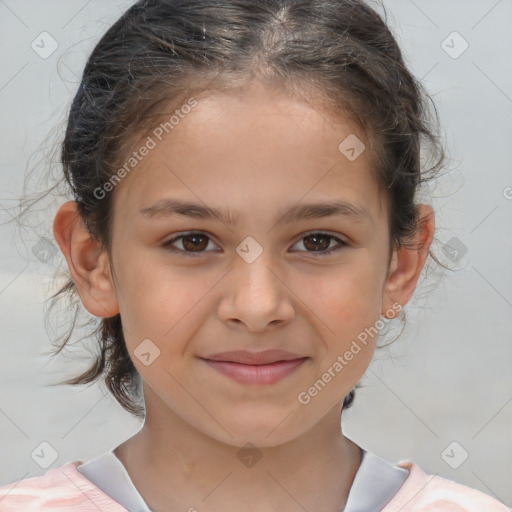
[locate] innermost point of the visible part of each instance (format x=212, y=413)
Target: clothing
x=375, y=483
x=108, y=473
x=66, y=489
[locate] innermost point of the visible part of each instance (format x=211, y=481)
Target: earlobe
x=408, y=262
x=87, y=261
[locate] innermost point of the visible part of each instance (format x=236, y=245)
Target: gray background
x=447, y=379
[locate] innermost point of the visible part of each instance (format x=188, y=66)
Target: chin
x=262, y=433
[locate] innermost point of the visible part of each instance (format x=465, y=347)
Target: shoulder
x=59, y=489
x=422, y=492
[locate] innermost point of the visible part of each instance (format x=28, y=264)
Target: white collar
x=375, y=482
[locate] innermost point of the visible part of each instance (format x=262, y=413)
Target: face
x=254, y=277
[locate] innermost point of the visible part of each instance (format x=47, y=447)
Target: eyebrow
x=169, y=207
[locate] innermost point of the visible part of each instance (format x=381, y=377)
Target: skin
x=255, y=152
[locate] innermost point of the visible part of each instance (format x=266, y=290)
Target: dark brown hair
x=339, y=53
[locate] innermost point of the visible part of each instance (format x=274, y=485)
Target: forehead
x=259, y=146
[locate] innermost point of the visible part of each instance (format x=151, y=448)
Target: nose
x=256, y=296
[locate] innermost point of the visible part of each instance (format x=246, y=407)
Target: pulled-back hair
x=339, y=53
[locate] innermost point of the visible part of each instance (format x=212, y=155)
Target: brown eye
x=192, y=244
x=318, y=242
x=321, y=243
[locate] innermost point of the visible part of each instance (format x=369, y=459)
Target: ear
x=407, y=263
x=87, y=262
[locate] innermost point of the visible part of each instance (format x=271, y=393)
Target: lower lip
x=256, y=374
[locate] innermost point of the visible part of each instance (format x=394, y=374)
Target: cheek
x=349, y=295
x=163, y=304
x=348, y=303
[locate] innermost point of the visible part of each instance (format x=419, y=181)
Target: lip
x=269, y=373
x=254, y=358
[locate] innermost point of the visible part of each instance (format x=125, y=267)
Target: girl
x=244, y=223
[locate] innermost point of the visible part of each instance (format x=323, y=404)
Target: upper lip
x=245, y=357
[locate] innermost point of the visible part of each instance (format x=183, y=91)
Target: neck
x=171, y=463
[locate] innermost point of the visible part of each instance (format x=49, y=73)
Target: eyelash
x=193, y=254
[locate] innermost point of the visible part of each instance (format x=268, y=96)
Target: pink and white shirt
x=103, y=484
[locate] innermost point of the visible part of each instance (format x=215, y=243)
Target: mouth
x=254, y=358
x=255, y=368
